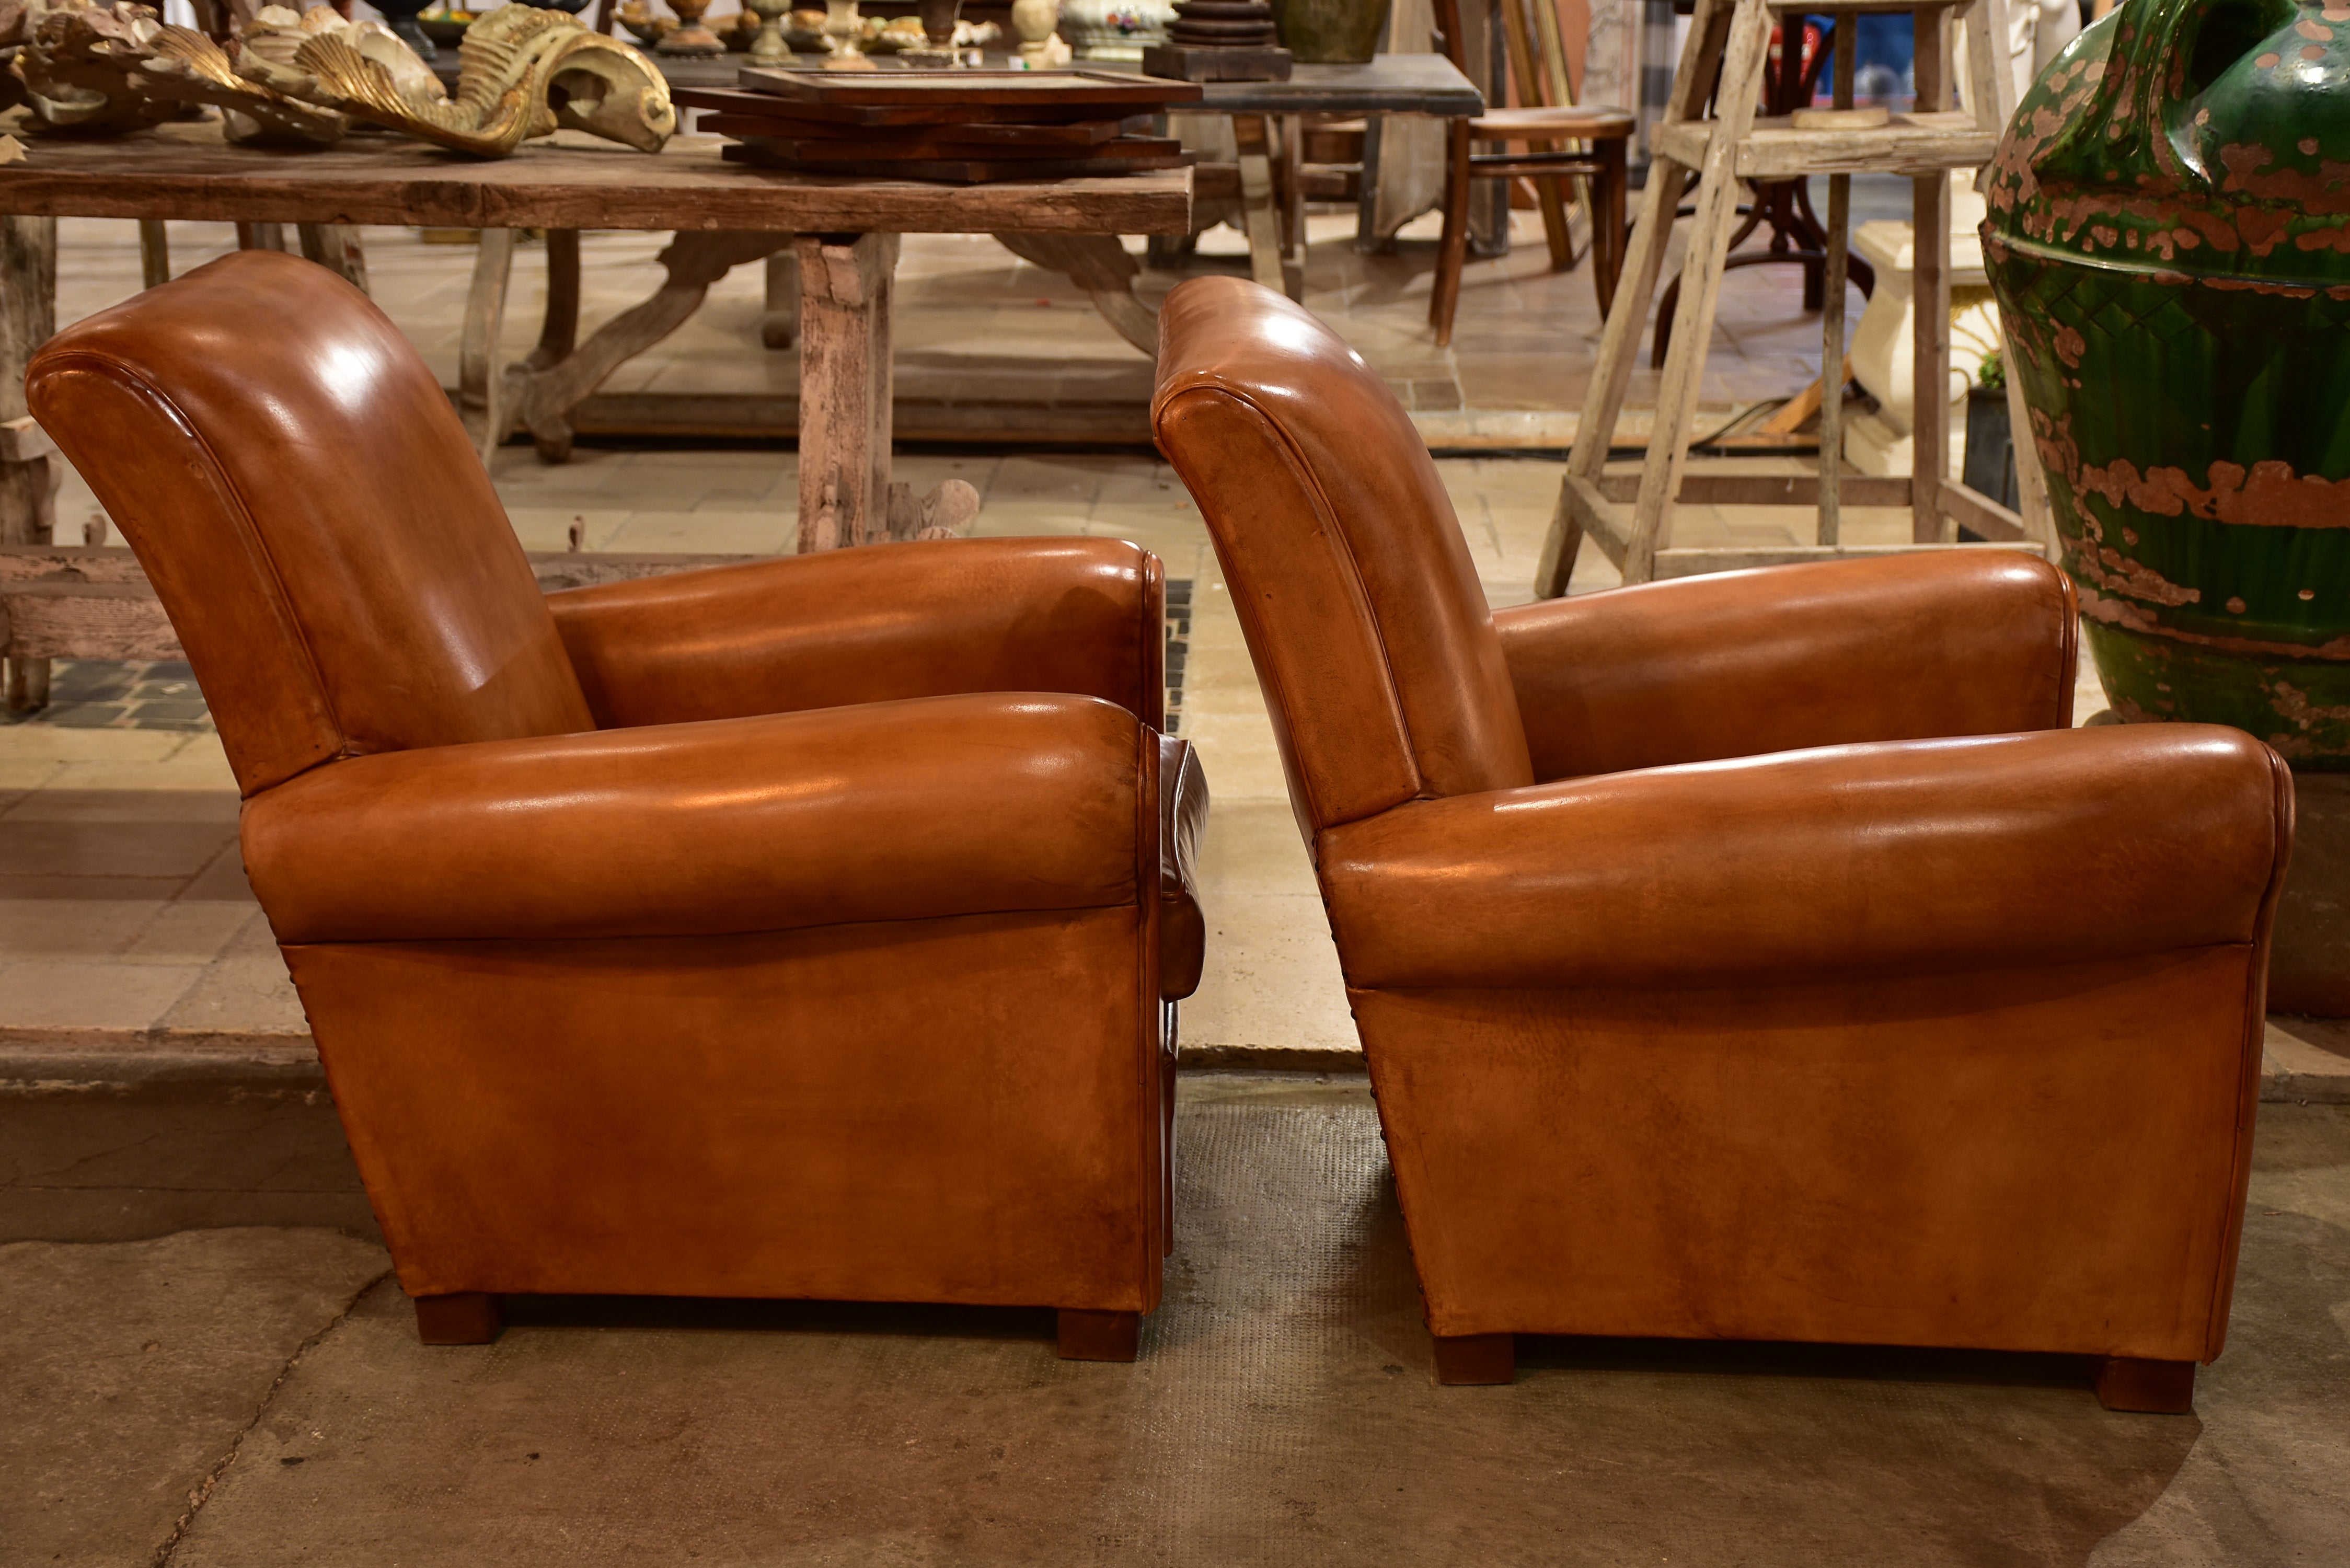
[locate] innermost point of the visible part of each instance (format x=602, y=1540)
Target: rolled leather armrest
x=1896, y=648
x=873, y=625
x=947, y=805
x=1909, y=858
x=1182, y=819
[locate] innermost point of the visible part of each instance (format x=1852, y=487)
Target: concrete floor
x=202, y=1359
x=251, y=1394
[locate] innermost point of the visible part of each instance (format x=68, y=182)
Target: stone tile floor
x=124, y=923
x=207, y=1362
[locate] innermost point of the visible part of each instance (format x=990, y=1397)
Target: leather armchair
x=808, y=928
x=1757, y=956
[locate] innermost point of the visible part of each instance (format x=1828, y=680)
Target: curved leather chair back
x=1362, y=609
x=311, y=515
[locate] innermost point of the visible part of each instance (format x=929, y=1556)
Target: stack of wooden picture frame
x=965, y=126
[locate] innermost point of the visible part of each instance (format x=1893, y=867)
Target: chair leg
x=2156, y=1387
x=1100, y=1336
x=468, y=1317
x=1467, y=1359
x=1452, y=251
x=1607, y=235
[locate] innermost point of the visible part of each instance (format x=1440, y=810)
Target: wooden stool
x=1731, y=38
x=1551, y=129
x=1607, y=130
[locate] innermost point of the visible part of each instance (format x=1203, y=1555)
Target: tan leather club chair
x=1754, y=957
x=794, y=930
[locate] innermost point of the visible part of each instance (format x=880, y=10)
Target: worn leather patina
x=1751, y=956
x=808, y=927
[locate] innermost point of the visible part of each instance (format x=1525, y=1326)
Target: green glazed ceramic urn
x=2169, y=239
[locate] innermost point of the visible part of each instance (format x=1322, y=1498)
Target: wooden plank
x=1930, y=435
x=1029, y=91
x=1260, y=218
x=1388, y=83
x=84, y=620
x=1775, y=150
x=1619, y=338
x=1699, y=561
x=96, y=603
x=846, y=118
x=1744, y=57
x=1704, y=489
x=763, y=153
x=480, y=382
x=29, y=485
x=566, y=182
x=1585, y=509
x=1067, y=141
x=1833, y=362
x=845, y=434
x=1972, y=509
x=22, y=439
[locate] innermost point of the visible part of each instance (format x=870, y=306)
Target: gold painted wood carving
x=96, y=70
x=522, y=72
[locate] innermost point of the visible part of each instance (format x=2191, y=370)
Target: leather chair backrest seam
x=1358, y=593
x=314, y=680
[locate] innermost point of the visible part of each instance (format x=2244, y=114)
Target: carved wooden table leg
x=1260, y=209
x=779, y=324
x=845, y=388
x=481, y=400
x=559, y=331
x=542, y=395
x=1099, y=264
x=261, y=236
x=335, y=247
x=29, y=471
x=154, y=253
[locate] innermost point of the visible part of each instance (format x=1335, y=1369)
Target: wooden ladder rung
x=1697, y=560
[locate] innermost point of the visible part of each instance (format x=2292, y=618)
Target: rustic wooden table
x=1387, y=84
x=847, y=241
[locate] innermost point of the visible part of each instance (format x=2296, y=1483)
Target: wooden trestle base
x=1730, y=40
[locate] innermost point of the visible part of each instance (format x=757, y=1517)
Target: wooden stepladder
x=1730, y=40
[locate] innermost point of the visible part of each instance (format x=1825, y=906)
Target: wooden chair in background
x=1555, y=130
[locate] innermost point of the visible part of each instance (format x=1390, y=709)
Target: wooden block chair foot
x=660, y=937
x=466, y=1318
x=1465, y=1360
x=2154, y=1387
x=1098, y=1336
x=1747, y=956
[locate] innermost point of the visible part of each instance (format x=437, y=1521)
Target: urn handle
x=2135, y=123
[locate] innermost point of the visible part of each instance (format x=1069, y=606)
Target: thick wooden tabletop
x=1388, y=83
x=565, y=182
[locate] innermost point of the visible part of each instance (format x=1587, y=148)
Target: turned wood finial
x=1223, y=25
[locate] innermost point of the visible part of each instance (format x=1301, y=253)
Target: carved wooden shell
x=522, y=72
x=96, y=70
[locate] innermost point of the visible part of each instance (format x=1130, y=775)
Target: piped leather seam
x=745, y=931
x=1327, y=515
x=115, y=371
